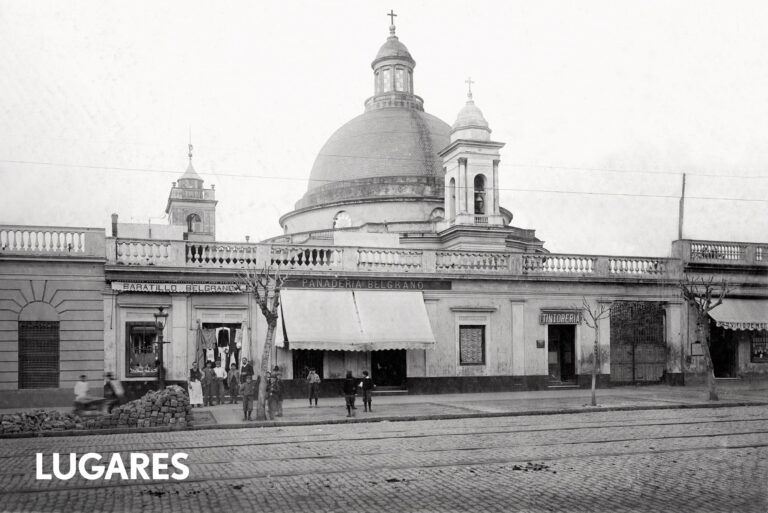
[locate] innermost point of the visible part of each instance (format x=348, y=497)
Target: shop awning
x=741, y=314
x=347, y=320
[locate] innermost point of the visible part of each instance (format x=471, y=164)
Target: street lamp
x=160, y=320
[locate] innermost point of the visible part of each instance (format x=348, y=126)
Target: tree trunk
x=261, y=410
x=710, y=368
x=595, y=365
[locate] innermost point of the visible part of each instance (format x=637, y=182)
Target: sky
x=603, y=105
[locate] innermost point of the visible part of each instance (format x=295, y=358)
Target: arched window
x=193, y=223
x=341, y=220
x=452, y=199
x=437, y=214
x=479, y=194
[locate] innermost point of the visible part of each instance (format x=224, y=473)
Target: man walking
x=314, y=386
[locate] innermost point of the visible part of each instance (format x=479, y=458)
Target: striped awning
x=741, y=314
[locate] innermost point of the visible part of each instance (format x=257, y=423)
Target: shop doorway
x=388, y=368
x=562, y=352
x=306, y=359
x=220, y=342
x=723, y=347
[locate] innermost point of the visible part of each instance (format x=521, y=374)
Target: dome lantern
x=393, y=75
x=470, y=123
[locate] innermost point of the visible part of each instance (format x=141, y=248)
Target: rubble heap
x=169, y=407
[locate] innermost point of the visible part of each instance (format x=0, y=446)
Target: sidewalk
x=412, y=407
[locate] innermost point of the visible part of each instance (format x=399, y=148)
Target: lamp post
x=160, y=320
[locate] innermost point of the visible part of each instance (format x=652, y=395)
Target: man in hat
x=246, y=370
x=275, y=393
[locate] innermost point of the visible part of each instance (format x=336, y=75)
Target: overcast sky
x=609, y=100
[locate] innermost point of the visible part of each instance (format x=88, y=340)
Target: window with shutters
x=38, y=354
x=471, y=344
x=759, y=346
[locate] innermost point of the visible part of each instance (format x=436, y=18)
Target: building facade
x=399, y=259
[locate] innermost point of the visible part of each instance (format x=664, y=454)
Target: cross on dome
x=469, y=83
x=392, y=17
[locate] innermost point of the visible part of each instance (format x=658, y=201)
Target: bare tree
x=704, y=295
x=592, y=319
x=265, y=286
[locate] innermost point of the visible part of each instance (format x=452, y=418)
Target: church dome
x=470, y=117
x=393, y=49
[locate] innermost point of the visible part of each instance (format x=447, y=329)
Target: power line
x=288, y=178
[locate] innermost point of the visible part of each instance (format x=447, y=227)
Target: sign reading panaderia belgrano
x=560, y=317
x=177, y=288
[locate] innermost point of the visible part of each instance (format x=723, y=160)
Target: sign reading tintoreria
x=560, y=317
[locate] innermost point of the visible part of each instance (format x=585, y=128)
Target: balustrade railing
x=481, y=219
x=221, y=255
x=306, y=257
x=389, y=259
x=722, y=251
x=143, y=252
x=468, y=261
x=49, y=240
x=636, y=266
x=559, y=264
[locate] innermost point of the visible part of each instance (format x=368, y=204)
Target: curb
x=400, y=418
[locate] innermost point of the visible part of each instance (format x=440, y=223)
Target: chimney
x=114, y=225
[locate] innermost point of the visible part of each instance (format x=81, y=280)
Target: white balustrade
x=467, y=261
x=145, y=252
x=306, y=257
x=636, y=266
x=717, y=251
x=46, y=240
x=221, y=255
x=385, y=259
x=559, y=264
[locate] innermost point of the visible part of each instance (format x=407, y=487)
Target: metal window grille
x=472, y=345
x=759, y=349
x=38, y=354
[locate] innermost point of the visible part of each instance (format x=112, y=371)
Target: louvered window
x=472, y=345
x=38, y=354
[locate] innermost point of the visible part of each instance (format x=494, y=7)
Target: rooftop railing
x=51, y=241
x=694, y=252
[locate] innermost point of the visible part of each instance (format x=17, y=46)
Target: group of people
x=213, y=380
x=350, y=387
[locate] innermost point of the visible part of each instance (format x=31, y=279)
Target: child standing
x=250, y=392
x=350, y=389
x=368, y=387
x=314, y=386
x=233, y=380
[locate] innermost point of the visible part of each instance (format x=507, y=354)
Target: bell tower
x=471, y=163
x=192, y=206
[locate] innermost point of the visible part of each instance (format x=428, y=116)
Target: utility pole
x=681, y=214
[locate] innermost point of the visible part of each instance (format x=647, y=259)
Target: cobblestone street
x=653, y=460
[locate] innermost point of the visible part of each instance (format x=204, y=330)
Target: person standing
x=246, y=370
x=272, y=386
x=368, y=387
x=250, y=392
x=275, y=386
x=314, y=386
x=195, y=386
x=221, y=377
x=349, y=388
x=233, y=379
x=209, y=383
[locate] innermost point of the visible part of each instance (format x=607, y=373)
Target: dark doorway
x=388, y=367
x=562, y=352
x=305, y=359
x=723, y=347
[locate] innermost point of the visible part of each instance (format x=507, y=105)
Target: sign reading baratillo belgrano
x=177, y=288
x=560, y=317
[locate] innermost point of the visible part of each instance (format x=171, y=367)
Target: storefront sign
x=178, y=288
x=560, y=317
x=366, y=284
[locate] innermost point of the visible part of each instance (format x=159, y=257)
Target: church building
x=399, y=259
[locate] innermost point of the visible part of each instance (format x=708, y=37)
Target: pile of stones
x=40, y=420
x=169, y=407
